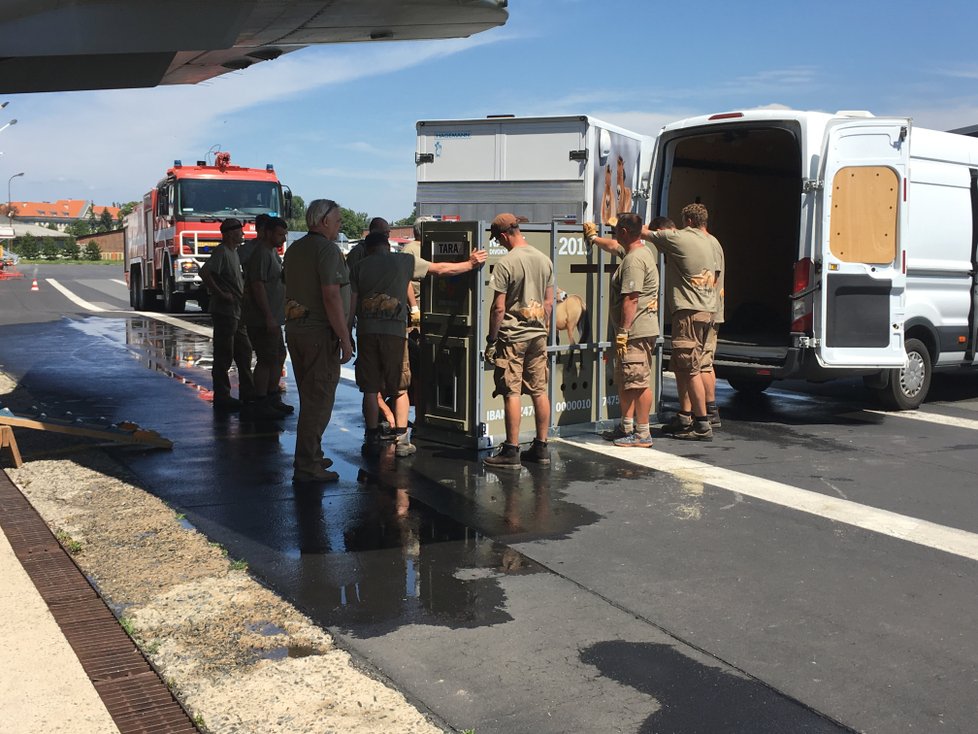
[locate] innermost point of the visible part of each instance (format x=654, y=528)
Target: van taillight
x=801, y=308
x=803, y=273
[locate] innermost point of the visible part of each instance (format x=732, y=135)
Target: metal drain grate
x=132, y=692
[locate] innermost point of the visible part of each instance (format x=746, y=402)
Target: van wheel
x=908, y=386
x=750, y=385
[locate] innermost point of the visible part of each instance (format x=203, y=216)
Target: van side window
x=864, y=214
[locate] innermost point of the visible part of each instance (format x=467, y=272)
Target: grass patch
x=68, y=543
x=126, y=624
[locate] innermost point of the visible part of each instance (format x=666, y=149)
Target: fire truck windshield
x=210, y=198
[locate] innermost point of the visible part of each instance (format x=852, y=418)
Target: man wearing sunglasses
x=317, y=292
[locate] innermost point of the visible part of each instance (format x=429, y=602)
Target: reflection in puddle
x=177, y=353
x=382, y=560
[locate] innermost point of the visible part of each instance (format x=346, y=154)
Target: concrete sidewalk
x=43, y=687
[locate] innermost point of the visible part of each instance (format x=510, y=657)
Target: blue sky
x=339, y=121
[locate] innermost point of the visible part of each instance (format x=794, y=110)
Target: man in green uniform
x=684, y=417
x=380, y=282
x=635, y=320
x=692, y=271
x=516, y=344
x=317, y=288
x=221, y=274
x=359, y=250
x=264, y=315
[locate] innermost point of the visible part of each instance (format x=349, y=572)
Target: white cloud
x=361, y=146
x=398, y=175
x=963, y=72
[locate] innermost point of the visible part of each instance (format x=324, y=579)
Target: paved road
x=813, y=569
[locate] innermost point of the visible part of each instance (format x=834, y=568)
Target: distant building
x=60, y=213
x=110, y=243
x=971, y=130
x=14, y=228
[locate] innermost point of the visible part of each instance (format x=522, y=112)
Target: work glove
x=490, y=351
x=621, y=344
x=415, y=316
x=590, y=232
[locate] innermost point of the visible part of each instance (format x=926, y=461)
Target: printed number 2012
x=571, y=246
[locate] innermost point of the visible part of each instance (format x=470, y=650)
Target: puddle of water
x=378, y=558
x=266, y=629
x=292, y=651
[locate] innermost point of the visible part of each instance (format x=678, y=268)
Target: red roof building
x=60, y=213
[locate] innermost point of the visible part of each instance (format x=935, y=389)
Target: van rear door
x=859, y=313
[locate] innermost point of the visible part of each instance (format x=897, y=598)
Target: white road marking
x=120, y=282
x=950, y=540
x=941, y=420
x=80, y=302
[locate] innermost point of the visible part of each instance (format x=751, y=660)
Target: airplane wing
x=62, y=45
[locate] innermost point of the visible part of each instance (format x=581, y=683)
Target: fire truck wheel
x=173, y=302
x=137, y=296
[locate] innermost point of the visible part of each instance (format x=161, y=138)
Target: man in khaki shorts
x=692, y=271
x=381, y=281
x=519, y=323
x=635, y=319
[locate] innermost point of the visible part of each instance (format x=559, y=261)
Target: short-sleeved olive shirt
x=224, y=265
x=310, y=263
x=523, y=274
x=264, y=265
x=691, y=267
x=381, y=282
x=637, y=273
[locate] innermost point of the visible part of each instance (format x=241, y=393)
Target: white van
x=850, y=243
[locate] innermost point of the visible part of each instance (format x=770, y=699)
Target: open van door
x=860, y=309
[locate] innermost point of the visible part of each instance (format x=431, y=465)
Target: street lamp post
x=12, y=122
x=8, y=190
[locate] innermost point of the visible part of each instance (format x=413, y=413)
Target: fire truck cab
x=173, y=230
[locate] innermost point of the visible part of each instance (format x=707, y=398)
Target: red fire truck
x=173, y=230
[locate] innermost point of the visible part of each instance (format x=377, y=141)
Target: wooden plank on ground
x=120, y=433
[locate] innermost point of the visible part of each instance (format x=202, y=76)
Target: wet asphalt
x=593, y=596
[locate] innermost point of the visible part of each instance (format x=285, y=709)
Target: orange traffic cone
x=34, y=285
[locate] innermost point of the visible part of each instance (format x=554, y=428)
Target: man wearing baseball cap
x=516, y=344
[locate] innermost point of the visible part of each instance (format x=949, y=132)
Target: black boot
x=538, y=453
x=507, y=458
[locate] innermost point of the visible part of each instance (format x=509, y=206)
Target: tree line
x=30, y=247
